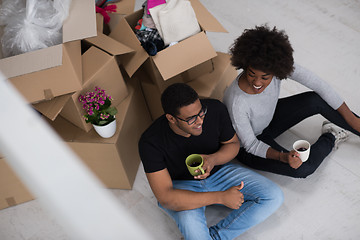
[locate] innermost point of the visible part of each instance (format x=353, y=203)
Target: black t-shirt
x=161, y=148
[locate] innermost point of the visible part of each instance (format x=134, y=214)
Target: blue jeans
x=262, y=197
x=290, y=111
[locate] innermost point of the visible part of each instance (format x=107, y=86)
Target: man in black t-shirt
x=191, y=125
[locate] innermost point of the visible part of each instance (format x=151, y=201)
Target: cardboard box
x=214, y=84
x=188, y=75
x=172, y=60
x=56, y=70
x=114, y=160
x=12, y=190
x=208, y=85
x=99, y=69
x=53, y=107
x=123, y=8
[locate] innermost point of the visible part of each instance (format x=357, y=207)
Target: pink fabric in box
x=154, y=3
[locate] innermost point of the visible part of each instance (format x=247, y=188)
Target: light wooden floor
x=326, y=205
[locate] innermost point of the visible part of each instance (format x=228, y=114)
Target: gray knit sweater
x=252, y=113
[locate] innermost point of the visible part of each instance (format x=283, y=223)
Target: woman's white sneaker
x=341, y=135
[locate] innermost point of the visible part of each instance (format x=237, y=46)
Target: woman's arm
x=349, y=117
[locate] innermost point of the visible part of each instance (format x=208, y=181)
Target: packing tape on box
x=48, y=94
x=11, y=201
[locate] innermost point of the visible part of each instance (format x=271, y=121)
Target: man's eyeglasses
x=191, y=120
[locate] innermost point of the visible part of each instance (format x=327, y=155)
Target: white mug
x=303, y=148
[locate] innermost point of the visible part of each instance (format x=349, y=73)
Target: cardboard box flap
x=93, y=60
x=19, y=65
x=124, y=6
x=206, y=20
x=214, y=84
x=109, y=45
x=55, y=81
x=52, y=108
x=99, y=22
x=201, y=51
x=125, y=34
x=81, y=22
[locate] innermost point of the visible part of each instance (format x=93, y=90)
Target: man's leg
x=191, y=223
x=262, y=197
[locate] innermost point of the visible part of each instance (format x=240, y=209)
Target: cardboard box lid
x=81, y=23
x=125, y=34
x=52, y=108
x=213, y=84
x=124, y=6
x=56, y=81
x=109, y=44
x=198, y=46
x=206, y=20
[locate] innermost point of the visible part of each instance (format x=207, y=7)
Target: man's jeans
x=262, y=197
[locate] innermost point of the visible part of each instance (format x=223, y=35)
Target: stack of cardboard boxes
x=112, y=58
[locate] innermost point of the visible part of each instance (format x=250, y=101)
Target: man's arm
x=226, y=153
x=179, y=200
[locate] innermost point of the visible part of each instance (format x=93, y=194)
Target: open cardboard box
x=52, y=108
x=53, y=71
x=208, y=85
x=172, y=60
x=12, y=190
x=99, y=69
x=114, y=160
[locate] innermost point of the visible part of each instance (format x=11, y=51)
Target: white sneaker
x=341, y=135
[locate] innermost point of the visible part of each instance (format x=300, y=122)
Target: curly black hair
x=176, y=96
x=264, y=49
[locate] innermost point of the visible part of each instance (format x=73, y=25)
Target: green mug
x=193, y=163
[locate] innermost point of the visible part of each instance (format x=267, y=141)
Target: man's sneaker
x=341, y=135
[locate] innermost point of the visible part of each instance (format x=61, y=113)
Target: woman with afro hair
x=266, y=57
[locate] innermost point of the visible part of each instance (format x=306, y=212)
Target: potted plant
x=99, y=112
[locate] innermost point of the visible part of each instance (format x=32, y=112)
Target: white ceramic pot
x=106, y=131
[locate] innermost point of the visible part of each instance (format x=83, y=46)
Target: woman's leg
x=319, y=150
x=290, y=111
